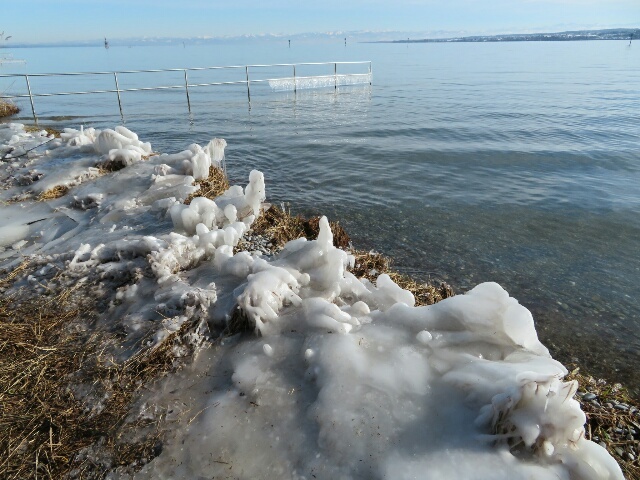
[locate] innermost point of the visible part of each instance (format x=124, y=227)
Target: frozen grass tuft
x=280, y=226
x=47, y=428
x=371, y=264
x=37, y=128
x=53, y=193
x=211, y=187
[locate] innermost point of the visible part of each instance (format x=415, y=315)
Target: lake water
x=512, y=162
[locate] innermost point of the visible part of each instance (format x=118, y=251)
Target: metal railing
x=296, y=80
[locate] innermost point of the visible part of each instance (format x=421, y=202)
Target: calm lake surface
x=510, y=162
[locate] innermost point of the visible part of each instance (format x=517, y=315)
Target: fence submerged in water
x=289, y=81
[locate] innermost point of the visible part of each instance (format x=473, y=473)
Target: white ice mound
x=232, y=207
x=120, y=145
x=194, y=161
x=313, y=270
x=120, y=139
x=460, y=389
x=77, y=138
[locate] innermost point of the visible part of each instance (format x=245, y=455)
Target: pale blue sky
x=30, y=21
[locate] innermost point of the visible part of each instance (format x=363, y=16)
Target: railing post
x=186, y=87
x=115, y=76
x=246, y=69
x=294, y=79
x=370, y=77
x=335, y=76
x=33, y=110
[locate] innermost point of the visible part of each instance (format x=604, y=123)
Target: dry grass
x=280, y=226
x=7, y=109
x=46, y=428
x=371, y=264
x=53, y=193
x=211, y=187
x=609, y=425
x=38, y=128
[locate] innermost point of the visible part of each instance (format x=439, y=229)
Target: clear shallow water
x=512, y=162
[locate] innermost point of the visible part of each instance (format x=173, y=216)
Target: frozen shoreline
x=332, y=349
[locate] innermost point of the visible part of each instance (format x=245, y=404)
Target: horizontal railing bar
x=237, y=82
x=6, y=75
x=173, y=87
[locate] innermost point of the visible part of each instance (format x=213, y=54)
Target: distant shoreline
x=625, y=34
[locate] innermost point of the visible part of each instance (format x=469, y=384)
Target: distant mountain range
x=608, y=34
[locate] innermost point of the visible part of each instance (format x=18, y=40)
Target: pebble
x=621, y=406
x=619, y=451
x=257, y=244
x=603, y=445
x=589, y=396
x=631, y=457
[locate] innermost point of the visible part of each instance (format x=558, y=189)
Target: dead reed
x=371, y=264
x=53, y=193
x=211, y=187
x=63, y=397
x=38, y=128
x=280, y=226
x=7, y=109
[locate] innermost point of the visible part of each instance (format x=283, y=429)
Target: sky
x=43, y=21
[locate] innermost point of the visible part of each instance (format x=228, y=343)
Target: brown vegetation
x=48, y=428
x=211, y=187
x=371, y=264
x=37, y=128
x=53, y=193
x=7, y=109
x=280, y=226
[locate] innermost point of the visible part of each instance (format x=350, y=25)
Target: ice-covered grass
x=340, y=376
x=64, y=399
x=211, y=187
x=281, y=227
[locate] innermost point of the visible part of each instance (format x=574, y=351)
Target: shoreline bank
x=116, y=295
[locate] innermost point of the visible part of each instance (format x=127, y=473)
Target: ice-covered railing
x=283, y=82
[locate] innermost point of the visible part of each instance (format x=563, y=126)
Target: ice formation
x=303, y=83
x=342, y=377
